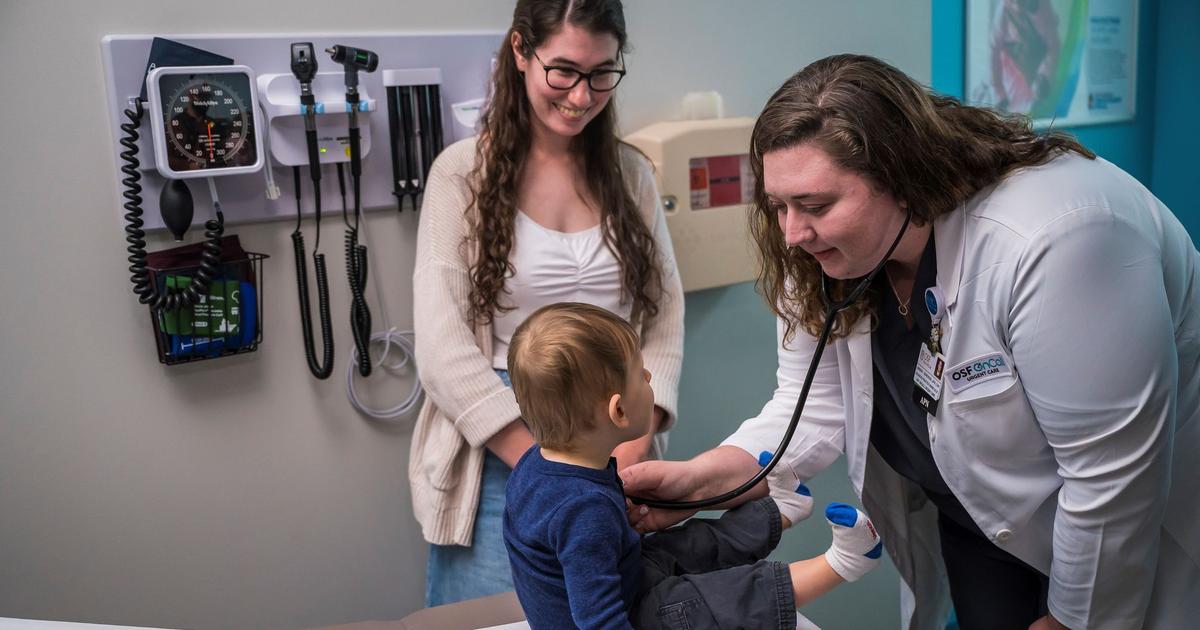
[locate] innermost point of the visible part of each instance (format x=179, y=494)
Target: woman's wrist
x=511, y=442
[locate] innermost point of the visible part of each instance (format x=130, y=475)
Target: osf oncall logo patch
x=978, y=370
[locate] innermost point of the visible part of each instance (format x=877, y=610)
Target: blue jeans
x=455, y=572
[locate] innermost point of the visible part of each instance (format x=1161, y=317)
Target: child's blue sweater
x=576, y=562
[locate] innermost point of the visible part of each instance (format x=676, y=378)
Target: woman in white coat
x=1017, y=395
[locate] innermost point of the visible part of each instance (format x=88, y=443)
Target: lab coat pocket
x=999, y=429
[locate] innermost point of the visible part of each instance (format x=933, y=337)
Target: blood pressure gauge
x=203, y=121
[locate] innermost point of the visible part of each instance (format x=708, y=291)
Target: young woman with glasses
x=545, y=205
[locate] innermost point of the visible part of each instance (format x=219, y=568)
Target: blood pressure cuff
x=190, y=255
x=215, y=314
x=166, y=52
x=235, y=326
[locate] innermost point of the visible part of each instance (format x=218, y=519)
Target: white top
x=1072, y=371
x=551, y=267
x=466, y=403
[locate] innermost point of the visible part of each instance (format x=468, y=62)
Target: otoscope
x=831, y=312
x=304, y=66
x=353, y=60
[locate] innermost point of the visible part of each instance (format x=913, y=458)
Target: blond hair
x=565, y=361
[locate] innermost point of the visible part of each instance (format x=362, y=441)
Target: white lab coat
x=1088, y=289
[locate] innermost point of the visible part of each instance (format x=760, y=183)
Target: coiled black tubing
x=324, y=368
x=135, y=236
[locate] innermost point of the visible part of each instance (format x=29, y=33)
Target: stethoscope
x=831, y=312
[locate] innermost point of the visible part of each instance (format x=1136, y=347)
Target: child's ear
x=616, y=412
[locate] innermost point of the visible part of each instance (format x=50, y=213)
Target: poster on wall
x=1063, y=62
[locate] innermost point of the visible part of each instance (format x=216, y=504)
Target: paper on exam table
x=802, y=623
x=10, y=623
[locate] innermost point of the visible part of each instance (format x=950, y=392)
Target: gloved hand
x=856, y=547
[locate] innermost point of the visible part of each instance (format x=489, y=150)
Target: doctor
x=1017, y=396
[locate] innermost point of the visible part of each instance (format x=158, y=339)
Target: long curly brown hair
x=872, y=119
x=504, y=144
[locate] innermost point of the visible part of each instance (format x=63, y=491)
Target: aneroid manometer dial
x=204, y=121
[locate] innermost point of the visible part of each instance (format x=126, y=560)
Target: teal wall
x=1158, y=145
x=1176, y=125
x=1129, y=145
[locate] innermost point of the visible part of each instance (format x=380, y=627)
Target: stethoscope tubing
x=831, y=312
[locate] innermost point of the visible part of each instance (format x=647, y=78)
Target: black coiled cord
x=360, y=313
x=323, y=369
x=356, y=270
x=143, y=286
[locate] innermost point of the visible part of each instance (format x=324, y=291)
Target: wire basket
x=227, y=321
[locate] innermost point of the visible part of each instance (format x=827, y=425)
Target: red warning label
x=724, y=180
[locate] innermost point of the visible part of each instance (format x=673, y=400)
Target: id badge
x=927, y=379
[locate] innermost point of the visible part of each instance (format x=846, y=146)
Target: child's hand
x=856, y=547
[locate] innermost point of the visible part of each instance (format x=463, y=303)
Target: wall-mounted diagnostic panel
x=248, y=118
x=704, y=177
x=232, y=114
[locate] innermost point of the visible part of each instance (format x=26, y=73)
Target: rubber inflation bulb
x=177, y=207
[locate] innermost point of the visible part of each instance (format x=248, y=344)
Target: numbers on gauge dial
x=207, y=122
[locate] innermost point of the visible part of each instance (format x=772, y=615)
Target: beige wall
x=241, y=492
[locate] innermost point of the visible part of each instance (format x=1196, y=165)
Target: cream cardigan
x=465, y=402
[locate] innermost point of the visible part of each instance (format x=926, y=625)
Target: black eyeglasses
x=565, y=78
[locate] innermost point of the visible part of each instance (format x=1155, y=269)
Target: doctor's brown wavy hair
x=504, y=142
x=872, y=119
